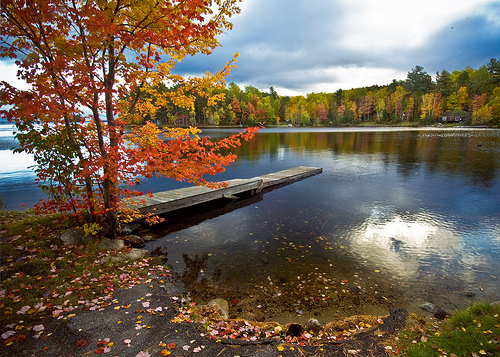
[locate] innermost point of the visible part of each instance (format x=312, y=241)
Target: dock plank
x=167, y=201
x=289, y=175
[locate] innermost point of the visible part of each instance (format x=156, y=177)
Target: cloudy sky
x=303, y=46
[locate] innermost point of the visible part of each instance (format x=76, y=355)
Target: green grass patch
x=471, y=332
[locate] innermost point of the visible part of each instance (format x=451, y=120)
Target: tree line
x=473, y=95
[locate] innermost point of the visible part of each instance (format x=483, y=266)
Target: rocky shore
x=158, y=316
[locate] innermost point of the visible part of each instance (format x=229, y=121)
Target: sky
x=304, y=46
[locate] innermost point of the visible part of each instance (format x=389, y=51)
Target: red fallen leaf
x=10, y=341
x=99, y=351
x=234, y=302
x=81, y=343
x=171, y=346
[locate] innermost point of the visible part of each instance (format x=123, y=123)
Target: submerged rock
x=221, y=306
x=428, y=306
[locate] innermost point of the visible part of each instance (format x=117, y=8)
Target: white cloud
x=9, y=75
x=304, y=46
x=390, y=24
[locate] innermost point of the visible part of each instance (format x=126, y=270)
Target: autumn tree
x=94, y=66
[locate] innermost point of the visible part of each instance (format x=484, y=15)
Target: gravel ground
x=138, y=321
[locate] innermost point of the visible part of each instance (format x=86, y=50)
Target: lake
x=398, y=217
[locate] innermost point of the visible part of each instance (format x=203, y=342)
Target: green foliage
x=91, y=229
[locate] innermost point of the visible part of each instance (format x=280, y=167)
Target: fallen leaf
x=38, y=328
x=143, y=354
x=7, y=334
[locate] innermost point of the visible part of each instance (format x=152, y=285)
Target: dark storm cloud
x=305, y=46
x=469, y=41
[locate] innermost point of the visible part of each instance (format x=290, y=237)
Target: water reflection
x=413, y=215
x=398, y=243
x=410, y=215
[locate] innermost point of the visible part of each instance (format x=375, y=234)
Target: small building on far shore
x=454, y=117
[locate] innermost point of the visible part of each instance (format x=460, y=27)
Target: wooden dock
x=167, y=201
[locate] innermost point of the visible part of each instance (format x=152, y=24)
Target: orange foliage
x=86, y=85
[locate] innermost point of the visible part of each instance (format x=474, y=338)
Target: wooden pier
x=167, y=201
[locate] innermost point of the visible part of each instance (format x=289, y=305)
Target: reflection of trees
x=199, y=285
x=193, y=267
x=467, y=153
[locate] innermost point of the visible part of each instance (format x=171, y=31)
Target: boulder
x=133, y=254
x=436, y=311
x=129, y=228
x=75, y=236
x=134, y=241
x=111, y=244
x=148, y=237
x=313, y=325
x=221, y=306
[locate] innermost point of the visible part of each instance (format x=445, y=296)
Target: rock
x=436, y=311
x=129, y=228
x=295, y=330
x=76, y=237
x=149, y=237
x=111, y=244
x=469, y=294
x=264, y=260
x=221, y=306
x=428, y=306
x=134, y=241
x=133, y=254
x=313, y=325
x=439, y=313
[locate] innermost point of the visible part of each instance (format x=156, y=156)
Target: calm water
x=415, y=212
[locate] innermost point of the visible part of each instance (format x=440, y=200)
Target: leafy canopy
x=94, y=66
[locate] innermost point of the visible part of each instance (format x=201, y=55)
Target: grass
x=473, y=332
x=41, y=277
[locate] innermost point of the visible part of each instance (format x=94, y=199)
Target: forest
x=470, y=97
